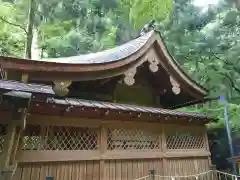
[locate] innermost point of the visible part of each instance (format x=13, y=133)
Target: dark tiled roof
x=16, y=87
x=124, y=107
x=19, y=94
x=22, y=87
x=110, y=55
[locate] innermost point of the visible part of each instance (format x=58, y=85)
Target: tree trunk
x=237, y=4
x=29, y=39
x=36, y=52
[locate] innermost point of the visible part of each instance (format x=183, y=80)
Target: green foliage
x=11, y=37
x=206, y=43
x=141, y=12
x=217, y=131
x=217, y=110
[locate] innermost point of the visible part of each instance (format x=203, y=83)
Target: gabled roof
x=114, y=62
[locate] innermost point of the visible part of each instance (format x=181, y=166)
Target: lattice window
x=65, y=138
x=132, y=139
x=61, y=138
x=32, y=138
x=3, y=130
x=185, y=140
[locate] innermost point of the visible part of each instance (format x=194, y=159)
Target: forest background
x=205, y=41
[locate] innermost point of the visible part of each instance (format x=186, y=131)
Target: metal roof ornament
x=147, y=27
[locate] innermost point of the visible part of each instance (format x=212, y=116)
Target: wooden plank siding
x=113, y=169
x=186, y=166
x=84, y=170
x=47, y=155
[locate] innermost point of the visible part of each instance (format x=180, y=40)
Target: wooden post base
x=7, y=173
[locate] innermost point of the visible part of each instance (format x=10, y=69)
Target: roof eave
x=174, y=65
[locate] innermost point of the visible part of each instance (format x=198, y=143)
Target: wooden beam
x=57, y=156
x=38, y=119
x=34, y=156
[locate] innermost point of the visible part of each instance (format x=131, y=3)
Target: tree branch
x=228, y=64
x=232, y=66
x=13, y=24
x=231, y=82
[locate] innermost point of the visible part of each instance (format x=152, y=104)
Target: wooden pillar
x=21, y=121
x=5, y=164
x=206, y=143
x=238, y=164
x=164, y=150
x=17, y=144
x=103, y=149
x=24, y=78
x=16, y=123
x=5, y=75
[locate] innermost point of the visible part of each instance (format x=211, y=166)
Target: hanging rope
x=174, y=177
x=224, y=173
x=196, y=176
x=142, y=178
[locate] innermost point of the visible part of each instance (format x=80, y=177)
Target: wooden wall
x=88, y=170
x=113, y=169
x=131, y=169
x=109, y=150
x=135, y=94
x=186, y=166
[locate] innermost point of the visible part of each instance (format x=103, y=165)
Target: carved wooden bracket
x=175, y=86
x=61, y=87
x=153, y=64
x=129, y=76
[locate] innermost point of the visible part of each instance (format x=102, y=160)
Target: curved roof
x=108, y=63
x=106, y=56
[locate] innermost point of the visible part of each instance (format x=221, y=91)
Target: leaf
x=141, y=12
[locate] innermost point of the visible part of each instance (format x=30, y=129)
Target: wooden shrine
x=101, y=116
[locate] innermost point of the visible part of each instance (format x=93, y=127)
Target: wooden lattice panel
x=185, y=139
x=60, y=138
x=133, y=139
x=32, y=138
x=3, y=129
x=66, y=138
x=1, y=143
